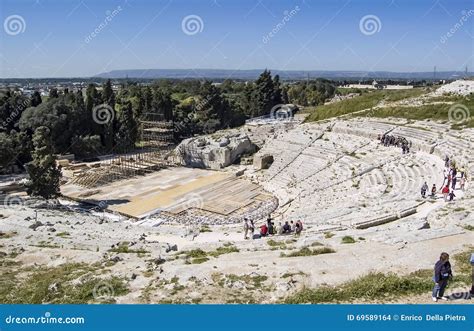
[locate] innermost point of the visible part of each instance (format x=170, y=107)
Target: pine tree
x=43, y=172
x=264, y=95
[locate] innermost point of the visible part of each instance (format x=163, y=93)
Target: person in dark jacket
x=442, y=274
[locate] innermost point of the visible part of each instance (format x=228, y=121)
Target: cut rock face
x=212, y=152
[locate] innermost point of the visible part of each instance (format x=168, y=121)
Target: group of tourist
x=443, y=273
x=389, y=140
x=450, y=180
x=269, y=228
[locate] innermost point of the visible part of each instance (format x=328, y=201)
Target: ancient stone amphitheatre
x=176, y=234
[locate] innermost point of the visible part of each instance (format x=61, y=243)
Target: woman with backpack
x=442, y=274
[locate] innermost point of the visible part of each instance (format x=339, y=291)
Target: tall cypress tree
x=43, y=172
x=264, y=94
x=111, y=126
x=127, y=132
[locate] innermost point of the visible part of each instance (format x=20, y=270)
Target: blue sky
x=410, y=35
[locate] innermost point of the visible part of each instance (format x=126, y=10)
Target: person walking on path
x=424, y=188
x=442, y=274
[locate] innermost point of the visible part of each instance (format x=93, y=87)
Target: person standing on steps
x=251, y=228
x=462, y=182
x=442, y=274
x=445, y=192
x=246, y=228
x=424, y=188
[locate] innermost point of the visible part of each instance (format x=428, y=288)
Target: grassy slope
x=379, y=286
x=364, y=101
x=434, y=112
x=371, y=99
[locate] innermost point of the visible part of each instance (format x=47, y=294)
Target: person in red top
x=263, y=230
x=445, y=192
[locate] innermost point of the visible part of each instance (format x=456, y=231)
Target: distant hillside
x=219, y=74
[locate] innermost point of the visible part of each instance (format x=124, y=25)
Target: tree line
x=101, y=120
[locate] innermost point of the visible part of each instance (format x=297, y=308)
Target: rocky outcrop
x=213, y=151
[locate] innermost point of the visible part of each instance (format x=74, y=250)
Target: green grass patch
x=438, y=112
x=226, y=249
x=63, y=234
x=291, y=274
x=6, y=235
x=374, y=286
x=123, y=248
x=71, y=283
x=361, y=102
x=276, y=244
x=306, y=251
x=468, y=227
x=347, y=240
x=197, y=256
x=252, y=281
x=383, y=287
x=205, y=228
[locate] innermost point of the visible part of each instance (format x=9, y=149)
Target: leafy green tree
x=148, y=100
x=162, y=104
x=35, y=99
x=277, y=91
x=127, y=133
x=53, y=93
x=43, y=171
x=7, y=152
x=87, y=146
x=55, y=114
